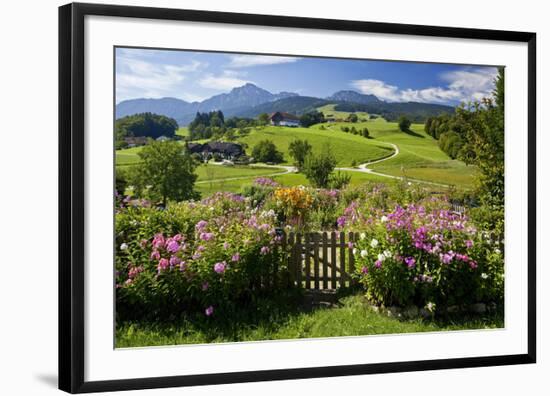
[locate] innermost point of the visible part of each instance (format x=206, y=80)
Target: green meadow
x=419, y=157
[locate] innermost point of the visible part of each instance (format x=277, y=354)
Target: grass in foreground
x=275, y=321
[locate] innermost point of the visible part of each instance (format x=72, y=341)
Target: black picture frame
x=71, y=196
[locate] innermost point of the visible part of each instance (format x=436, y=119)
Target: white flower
x=387, y=253
x=484, y=276
x=497, y=251
x=354, y=251
x=381, y=257
x=363, y=236
x=409, y=183
x=124, y=246
x=364, y=253
x=373, y=243
x=430, y=306
x=383, y=219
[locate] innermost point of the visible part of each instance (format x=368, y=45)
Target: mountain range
x=250, y=100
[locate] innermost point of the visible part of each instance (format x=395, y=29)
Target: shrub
x=200, y=257
x=266, y=151
x=424, y=255
x=404, y=124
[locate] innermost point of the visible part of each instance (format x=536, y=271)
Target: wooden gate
x=320, y=261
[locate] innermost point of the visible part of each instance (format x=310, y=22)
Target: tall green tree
x=319, y=167
x=299, y=150
x=266, y=151
x=166, y=171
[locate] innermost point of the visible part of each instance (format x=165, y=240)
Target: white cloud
x=238, y=61
x=378, y=88
x=137, y=77
x=462, y=86
x=224, y=82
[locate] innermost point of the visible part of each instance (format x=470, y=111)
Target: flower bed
x=423, y=254
x=194, y=256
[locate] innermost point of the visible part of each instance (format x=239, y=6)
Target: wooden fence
x=320, y=261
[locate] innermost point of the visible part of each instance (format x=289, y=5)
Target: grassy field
x=419, y=155
x=344, y=146
x=328, y=111
x=276, y=321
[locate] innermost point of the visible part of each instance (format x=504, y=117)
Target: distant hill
x=416, y=111
x=354, y=97
x=297, y=105
x=250, y=101
x=237, y=100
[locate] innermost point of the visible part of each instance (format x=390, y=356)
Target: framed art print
x=253, y=197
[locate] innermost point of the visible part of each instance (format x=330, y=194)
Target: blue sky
x=195, y=76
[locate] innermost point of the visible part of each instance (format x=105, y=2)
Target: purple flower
x=201, y=225
x=155, y=255
x=264, y=250
x=226, y=245
x=172, y=246
x=206, y=236
x=236, y=257
x=378, y=263
x=469, y=243
x=205, y=286
x=220, y=267
x=209, y=311
x=473, y=264
x=341, y=221
x=410, y=261
x=183, y=266
x=447, y=257
x=364, y=270
x=174, y=260
x=200, y=248
x=350, y=245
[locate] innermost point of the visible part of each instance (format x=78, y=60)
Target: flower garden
x=206, y=262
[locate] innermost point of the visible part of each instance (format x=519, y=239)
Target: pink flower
x=264, y=250
x=205, y=286
x=350, y=245
x=236, y=257
x=209, y=311
x=378, y=263
x=183, y=266
x=469, y=243
x=473, y=264
x=155, y=255
x=158, y=241
x=226, y=245
x=163, y=264
x=364, y=270
x=220, y=267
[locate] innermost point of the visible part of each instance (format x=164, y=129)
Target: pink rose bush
x=195, y=255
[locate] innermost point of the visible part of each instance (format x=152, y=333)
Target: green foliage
x=266, y=151
x=263, y=119
x=318, y=167
x=144, y=124
x=403, y=123
x=166, y=172
x=311, y=118
x=339, y=180
x=299, y=150
x=352, y=117
x=121, y=181
x=365, y=132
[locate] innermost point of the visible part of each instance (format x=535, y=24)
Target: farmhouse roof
x=287, y=116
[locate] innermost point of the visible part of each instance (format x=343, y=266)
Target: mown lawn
x=276, y=321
